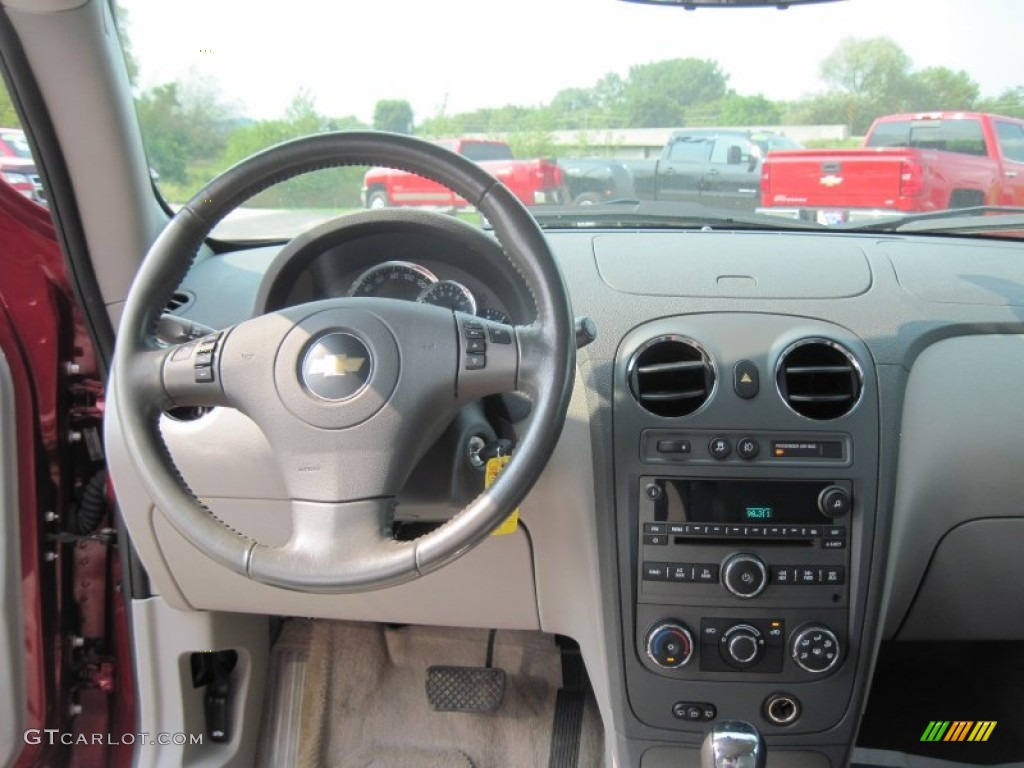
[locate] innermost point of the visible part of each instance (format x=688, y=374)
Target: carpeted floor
x=364, y=703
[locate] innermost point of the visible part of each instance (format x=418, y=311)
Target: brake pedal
x=465, y=689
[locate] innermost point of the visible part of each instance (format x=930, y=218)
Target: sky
x=449, y=55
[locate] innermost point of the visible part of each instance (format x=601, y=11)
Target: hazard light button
x=745, y=379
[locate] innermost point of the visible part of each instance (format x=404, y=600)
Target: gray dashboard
x=930, y=449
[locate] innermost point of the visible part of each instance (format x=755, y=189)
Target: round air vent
x=671, y=376
x=819, y=379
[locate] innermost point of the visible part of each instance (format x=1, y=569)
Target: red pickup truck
x=534, y=182
x=914, y=162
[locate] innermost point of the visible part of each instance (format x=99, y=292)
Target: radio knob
x=815, y=648
x=834, y=501
x=743, y=645
x=669, y=644
x=744, y=575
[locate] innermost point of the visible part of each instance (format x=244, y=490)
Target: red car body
x=534, y=182
x=910, y=162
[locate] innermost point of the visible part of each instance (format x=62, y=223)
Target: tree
x=1010, y=103
x=873, y=69
x=8, y=114
x=749, y=110
x=940, y=88
x=656, y=94
x=121, y=25
x=393, y=115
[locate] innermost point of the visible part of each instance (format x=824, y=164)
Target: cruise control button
x=204, y=357
x=499, y=335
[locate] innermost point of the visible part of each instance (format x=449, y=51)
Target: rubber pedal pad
x=465, y=689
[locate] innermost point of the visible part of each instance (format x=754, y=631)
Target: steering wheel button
x=474, y=333
x=204, y=374
x=499, y=335
x=204, y=357
x=182, y=353
x=472, y=324
x=476, y=346
x=475, y=362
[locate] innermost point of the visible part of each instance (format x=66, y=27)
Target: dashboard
x=781, y=449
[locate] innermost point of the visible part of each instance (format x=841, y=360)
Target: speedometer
x=393, y=280
x=450, y=294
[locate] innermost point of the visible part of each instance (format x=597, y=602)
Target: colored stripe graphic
x=958, y=730
x=982, y=730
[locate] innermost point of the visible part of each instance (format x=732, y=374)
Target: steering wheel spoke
x=332, y=543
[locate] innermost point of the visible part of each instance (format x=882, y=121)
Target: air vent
x=671, y=376
x=819, y=379
x=179, y=301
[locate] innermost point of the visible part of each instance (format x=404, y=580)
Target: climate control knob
x=669, y=644
x=815, y=648
x=742, y=645
x=744, y=575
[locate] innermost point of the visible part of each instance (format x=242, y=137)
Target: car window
x=646, y=84
x=964, y=136
x=723, y=144
x=1011, y=140
x=690, y=149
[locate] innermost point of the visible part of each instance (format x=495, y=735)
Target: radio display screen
x=739, y=501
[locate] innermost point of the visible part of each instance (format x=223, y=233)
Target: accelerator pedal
x=467, y=689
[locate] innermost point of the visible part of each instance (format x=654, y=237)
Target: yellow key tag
x=494, y=467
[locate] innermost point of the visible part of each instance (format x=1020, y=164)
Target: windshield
x=754, y=113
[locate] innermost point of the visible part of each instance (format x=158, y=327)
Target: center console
x=746, y=452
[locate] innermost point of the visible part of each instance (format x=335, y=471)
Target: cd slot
x=681, y=540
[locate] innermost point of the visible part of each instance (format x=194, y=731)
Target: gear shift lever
x=732, y=744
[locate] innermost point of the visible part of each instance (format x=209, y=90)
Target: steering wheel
x=349, y=392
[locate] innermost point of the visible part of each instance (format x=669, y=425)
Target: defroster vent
x=671, y=376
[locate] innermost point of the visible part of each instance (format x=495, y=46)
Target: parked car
x=534, y=182
x=716, y=167
x=922, y=162
x=636, y=485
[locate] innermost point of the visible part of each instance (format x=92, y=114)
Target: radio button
x=834, y=543
x=655, y=572
x=654, y=528
x=835, y=532
x=705, y=574
x=676, y=529
x=835, y=574
x=680, y=572
x=744, y=575
x=783, y=575
x=655, y=539
x=734, y=530
x=716, y=530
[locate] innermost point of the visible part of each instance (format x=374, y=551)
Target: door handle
x=713, y=172
x=670, y=171
x=1011, y=174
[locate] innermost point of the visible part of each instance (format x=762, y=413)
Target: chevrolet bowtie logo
x=336, y=365
x=831, y=180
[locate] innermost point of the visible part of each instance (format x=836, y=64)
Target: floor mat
x=365, y=701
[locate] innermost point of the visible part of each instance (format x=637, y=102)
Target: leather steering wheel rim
x=324, y=553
